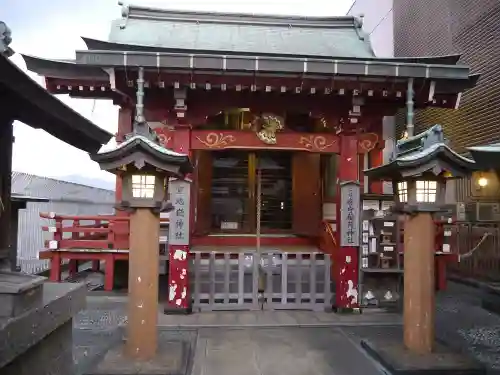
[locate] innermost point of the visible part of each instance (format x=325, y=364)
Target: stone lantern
x=145, y=168
x=419, y=169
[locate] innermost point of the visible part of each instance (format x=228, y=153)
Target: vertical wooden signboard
x=350, y=214
x=178, y=248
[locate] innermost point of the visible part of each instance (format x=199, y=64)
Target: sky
x=52, y=29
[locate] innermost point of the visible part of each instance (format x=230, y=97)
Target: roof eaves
x=104, y=45
x=16, y=81
x=63, y=68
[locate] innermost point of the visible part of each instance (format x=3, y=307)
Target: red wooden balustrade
x=106, y=238
x=86, y=238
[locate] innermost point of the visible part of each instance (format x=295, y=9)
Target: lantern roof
x=486, y=156
x=426, y=153
x=140, y=151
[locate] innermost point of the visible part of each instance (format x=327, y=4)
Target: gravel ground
x=462, y=323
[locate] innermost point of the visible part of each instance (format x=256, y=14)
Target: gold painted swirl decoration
x=369, y=142
x=315, y=143
x=214, y=140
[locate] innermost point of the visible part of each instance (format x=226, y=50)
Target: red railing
x=100, y=238
x=104, y=232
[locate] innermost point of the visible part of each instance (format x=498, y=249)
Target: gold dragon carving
x=267, y=127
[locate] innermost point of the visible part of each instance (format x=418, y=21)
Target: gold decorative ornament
x=368, y=143
x=315, y=143
x=163, y=139
x=269, y=126
x=214, y=140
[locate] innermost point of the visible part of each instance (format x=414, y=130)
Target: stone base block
x=391, y=353
x=172, y=358
x=19, y=293
x=170, y=310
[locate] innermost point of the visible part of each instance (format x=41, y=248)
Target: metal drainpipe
x=410, y=127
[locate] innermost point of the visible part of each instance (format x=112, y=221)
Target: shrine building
x=276, y=113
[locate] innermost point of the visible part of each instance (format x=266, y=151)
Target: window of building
x=143, y=186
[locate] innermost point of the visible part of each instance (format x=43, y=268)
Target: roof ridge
x=154, y=13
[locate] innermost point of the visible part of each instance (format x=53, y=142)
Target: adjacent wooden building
x=275, y=111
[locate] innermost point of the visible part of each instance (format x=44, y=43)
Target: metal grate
x=230, y=281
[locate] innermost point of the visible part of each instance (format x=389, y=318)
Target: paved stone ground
x=304, y=339
x=272, y=351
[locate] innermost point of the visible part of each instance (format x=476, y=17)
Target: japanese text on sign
x=179, y=217
x=349, y=215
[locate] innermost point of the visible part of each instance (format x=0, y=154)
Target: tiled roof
x=252, y=34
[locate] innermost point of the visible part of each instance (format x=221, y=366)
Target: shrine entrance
x=259, y=194
x=238, y=191
x=238, y=177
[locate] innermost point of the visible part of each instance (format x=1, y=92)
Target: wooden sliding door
x=306, y=192
x=203, y=192
x=226, y=191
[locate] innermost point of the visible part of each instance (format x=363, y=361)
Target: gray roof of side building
x=24, y=184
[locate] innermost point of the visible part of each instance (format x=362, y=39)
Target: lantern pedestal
x=143, y=284
x=172, y=357
x=388, y=350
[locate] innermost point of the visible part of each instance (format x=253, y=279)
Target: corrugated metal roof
x=57, y=190
x=295, y=36
x=64, y=198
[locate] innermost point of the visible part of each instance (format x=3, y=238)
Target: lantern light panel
x=143, y=186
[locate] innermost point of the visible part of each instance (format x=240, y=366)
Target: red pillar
x=95, y=266
x=178, y=300
x=73, y=267
x=109, y=272
x=125, y=126
x=346, y=268
x=55, y=267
